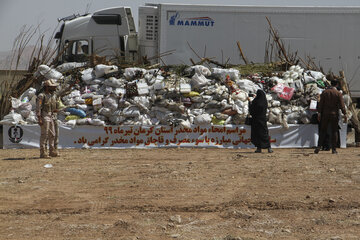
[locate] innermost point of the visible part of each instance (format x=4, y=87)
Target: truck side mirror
x=58, y=35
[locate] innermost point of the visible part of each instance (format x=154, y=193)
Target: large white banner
x=229, y=136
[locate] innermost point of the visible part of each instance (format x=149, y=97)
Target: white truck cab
x=109, y=32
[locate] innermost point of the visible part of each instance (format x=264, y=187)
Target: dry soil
x=218, y=194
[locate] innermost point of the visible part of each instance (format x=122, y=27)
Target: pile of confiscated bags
x=107, y=95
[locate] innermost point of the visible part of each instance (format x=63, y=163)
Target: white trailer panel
x=328, y=34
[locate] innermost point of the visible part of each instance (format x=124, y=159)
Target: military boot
x=43, y=154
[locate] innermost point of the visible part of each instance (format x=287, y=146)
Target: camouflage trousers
x=56, y=127
x=47, y=135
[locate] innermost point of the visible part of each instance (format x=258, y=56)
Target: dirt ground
x=217, y=194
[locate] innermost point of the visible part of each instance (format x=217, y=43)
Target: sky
x=15, y=14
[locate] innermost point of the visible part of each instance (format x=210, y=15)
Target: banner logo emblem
x=15, y=134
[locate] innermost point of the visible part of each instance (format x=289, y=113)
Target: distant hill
x=5, y=59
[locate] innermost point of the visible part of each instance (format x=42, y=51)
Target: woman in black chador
x=259, y=130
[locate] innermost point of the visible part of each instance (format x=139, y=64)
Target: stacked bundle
x=107, y=95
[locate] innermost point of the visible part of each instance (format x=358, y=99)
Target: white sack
x=101, y=69
x=15, y=103
x=120, y=91
x=185, y=124
x=69, y=66
x=201, y=70
x=239, y=95
x=198, y=81
x=96, y=122
x=142, y=88
x=247, y=85
x=113, y=82
x=32, y=118
x=107, y=112
x=87, y=75
x=203, y=119
x=28, y=94
x=12, y=118
x=131, y=111
x=48, y=72
x=110, y=102
x=222, y=73
x=130, y=73
x=82, y=121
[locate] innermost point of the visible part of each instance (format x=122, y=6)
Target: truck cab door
x=108, y=46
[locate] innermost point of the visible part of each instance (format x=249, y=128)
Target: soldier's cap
x=51, y=83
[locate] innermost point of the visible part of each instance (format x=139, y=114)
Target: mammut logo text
x=175, y=20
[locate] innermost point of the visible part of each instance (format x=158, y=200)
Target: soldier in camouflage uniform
x=46, y=108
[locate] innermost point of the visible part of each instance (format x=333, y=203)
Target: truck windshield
x=77, y=51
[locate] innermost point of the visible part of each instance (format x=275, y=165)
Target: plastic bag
x=196, y=112
x=144, y=120
x=216, y=121
x=117, y=118
x=96, y=122
x=101, y=69
x=120, y=91
x=298, y=86
x=75, y=93
x=142, y=88
x=15, y=103
x=239, y=95
x=32, y=118
x=185, y=88
x=142, y=102
x=201, y=70
x=71, y=123
x=229, y=112
x=275, y=103
x=132, y=73
x=77, y=112
x=97, y=103
x=65, y=67
x=276, y=110
x=113, y=82
x=82, y=121
x=105, y=111
x=25, y=109
x=110, y=102
x=83, y=107
x=185, y=124
x=48, y=72
x=191, y=94
x=131, y=112
x=203, y=119
x=59, y=104
x=79, y=100
x=72, y=117
x=29, y=94
x=159, y=84
x=247, y=85
x=87, y=75
x=198, y=81
x=313, y=105
x=222, y=73
x=283, y=91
